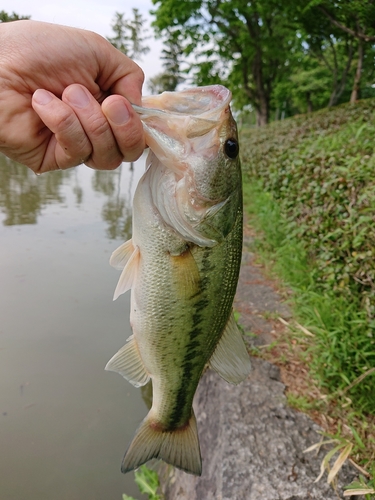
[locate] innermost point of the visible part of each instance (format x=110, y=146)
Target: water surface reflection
x=64, y=422
x=23, y=194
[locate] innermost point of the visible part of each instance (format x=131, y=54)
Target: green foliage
x=172, y=57
x=129, y=34
x=302, y=403
x=241, y=44
x=355, y=21
x=318, y=172
x=148, y=483
x=355, y=17
x=6, y=18
x=330, y=48
x=362, y=487
x=279, y=58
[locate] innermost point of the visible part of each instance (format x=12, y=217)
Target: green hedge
x=320, y=169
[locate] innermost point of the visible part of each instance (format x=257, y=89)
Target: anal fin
x=128, y=363
x=230, y=358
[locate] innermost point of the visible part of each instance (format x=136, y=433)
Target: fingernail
x=42, y=96
x=77, y=96
x=118, y=113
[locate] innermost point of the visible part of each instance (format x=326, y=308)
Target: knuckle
x=139, y=75
x=133, y=155
x=76, y=150
x=132, y=143
x=110, y=164
x=66, y=122
x=114, y=164
x=98, y=126
x=108, y=158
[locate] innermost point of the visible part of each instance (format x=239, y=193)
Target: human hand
x=64, y=98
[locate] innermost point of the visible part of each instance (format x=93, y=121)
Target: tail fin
x=179, y=448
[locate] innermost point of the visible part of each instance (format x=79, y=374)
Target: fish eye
x=231, y=148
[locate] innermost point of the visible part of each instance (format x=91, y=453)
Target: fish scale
x=182, y=265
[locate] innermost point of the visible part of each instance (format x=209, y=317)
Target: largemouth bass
x=182, y=265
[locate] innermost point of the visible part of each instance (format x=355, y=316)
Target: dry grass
x=352, y=435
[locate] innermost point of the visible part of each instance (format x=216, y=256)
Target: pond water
x=64, y=422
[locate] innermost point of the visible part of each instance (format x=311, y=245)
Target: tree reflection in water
x=23, y=195
x=117, y=210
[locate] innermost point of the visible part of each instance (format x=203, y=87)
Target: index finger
x=117, y=73
x=130, y=86
x=126, y=126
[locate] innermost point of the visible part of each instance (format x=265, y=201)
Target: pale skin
x=65, y=97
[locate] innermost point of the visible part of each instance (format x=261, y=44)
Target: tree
x=306, y=89
x=325, y=60
x=355, y=18
x=307, y=85
x=6, y=18
x=128, y=37
x=172, y=55
x=330, y=47
x=242, y=44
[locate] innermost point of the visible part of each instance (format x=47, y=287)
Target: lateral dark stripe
x=193, y=347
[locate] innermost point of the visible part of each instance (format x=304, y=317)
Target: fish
x=182, y=265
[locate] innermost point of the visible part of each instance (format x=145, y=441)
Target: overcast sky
x=95, y=15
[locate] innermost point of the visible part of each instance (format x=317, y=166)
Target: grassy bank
x=319, y=172
x=309, y=188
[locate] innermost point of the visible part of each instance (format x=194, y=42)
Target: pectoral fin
x=185, y=274
x=230, y=358
x=121, y=255
x=128, y=274
x=128, y=363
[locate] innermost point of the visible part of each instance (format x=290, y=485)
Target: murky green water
x=64, y=422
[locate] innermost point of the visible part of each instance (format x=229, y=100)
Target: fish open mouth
x=178, y=124
x=205, y=102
